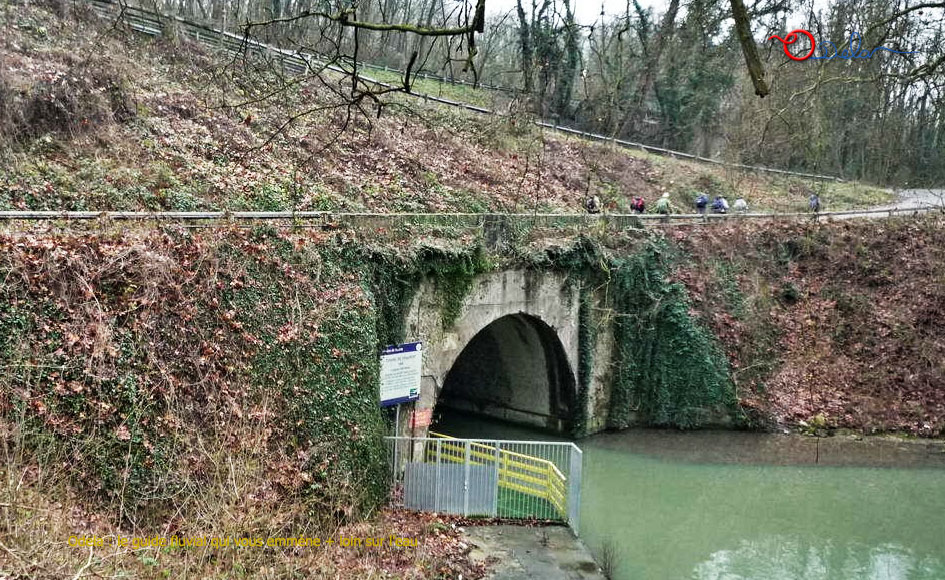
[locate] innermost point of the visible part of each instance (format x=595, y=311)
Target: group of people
x=702, y=203
x=637, y=205
x=719, y=205
x=665, y=207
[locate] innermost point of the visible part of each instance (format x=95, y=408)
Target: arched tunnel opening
x=515, y=370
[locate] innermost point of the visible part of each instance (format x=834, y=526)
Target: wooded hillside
x=163, y=124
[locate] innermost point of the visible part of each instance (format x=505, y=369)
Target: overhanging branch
x=346, y=18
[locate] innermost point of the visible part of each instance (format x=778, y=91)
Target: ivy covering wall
x=122, y=352
x=667, y=369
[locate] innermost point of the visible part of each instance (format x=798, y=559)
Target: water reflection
x=785, y=558
x=667, y=519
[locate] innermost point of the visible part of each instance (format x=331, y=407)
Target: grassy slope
x=109, y=120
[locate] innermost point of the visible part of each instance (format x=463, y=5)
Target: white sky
x=586, y=11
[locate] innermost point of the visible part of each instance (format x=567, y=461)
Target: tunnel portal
x=514, y=369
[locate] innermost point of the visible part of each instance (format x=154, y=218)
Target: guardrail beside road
x=470, y=220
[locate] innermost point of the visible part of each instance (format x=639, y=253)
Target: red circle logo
x=791, y=38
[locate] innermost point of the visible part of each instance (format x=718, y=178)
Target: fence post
x=394, y=467
x=498, y=474
x=574, y=489
x=436, y=483
x=466, y=480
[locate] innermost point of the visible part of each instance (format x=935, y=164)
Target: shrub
x=84, y=95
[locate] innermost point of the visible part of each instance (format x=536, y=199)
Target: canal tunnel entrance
x=515, y=369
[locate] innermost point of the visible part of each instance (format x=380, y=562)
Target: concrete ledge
x=526, y=553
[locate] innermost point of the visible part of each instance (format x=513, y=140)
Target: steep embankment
x=839, y=325
x=212, y=384
x=222, y=382
x=93, y=117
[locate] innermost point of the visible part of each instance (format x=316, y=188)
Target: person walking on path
x=720, y=205
x=813, y=203
x=702, y=202
x=663, y=206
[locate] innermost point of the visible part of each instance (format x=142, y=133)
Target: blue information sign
x=400, y=373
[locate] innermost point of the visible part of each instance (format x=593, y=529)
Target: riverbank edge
x=780, y=448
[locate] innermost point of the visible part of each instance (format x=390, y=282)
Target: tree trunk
x=637, y=111
x=421, y=40
x=750, y=50
x=572, y=55
x=525, y=47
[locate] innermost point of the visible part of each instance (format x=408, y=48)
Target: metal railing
x=531, y=476
x=465, y=219
x=152, y=23
x=486, y=477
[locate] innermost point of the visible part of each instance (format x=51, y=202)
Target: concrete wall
x=602, y=344
x=518, y=351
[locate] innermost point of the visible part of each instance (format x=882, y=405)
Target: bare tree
x=331, y=41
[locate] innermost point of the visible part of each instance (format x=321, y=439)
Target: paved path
x=527, y=553
x=918, y=198
x=909, y=199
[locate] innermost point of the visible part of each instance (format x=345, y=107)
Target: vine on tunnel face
x=586, y=343
x=396, y=278
x=669, y=369
x=454, y=279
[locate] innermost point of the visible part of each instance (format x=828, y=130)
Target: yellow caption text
x=135, y=543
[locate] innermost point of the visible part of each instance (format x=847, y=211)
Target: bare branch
x=345, y=19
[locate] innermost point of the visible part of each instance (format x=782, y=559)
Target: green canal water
x=664, y=505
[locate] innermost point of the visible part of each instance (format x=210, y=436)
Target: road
x=909, y=199
x=918, y=198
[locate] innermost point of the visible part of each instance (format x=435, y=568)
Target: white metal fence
x=477, y=220
x=487, y=477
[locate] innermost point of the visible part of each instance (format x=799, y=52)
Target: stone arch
x=540, y=307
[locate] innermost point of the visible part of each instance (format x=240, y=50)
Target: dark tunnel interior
x=515, y=369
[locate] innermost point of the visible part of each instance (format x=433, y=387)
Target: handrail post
x=466, y=481
x=498, y=474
